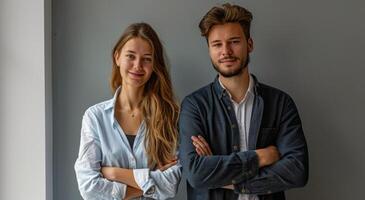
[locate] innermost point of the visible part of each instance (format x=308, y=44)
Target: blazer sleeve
x=292, y=169
x=209, y=171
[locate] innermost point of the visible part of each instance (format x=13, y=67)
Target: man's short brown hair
x=226, y=13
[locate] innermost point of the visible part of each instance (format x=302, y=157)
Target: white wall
x=24, y=101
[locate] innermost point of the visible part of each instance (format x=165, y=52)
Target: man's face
x=229, y=49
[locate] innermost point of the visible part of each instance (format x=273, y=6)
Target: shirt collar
x=110, y=107
x=250, y=89
x=111, y=104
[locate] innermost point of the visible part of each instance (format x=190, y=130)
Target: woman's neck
x=130, y=98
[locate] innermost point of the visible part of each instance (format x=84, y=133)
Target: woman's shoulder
x=100, y=108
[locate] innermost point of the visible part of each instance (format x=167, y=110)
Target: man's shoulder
x=201, y=95
x=272, y=93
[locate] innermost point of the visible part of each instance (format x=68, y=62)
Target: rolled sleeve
x=92, y=185
x=158, y=184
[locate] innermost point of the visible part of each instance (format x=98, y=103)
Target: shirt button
x=229, y=108
x=233, y=125
x=151, y=190
x=233, y=182
x=235, y=147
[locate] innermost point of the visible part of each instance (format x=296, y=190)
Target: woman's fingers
x=168, y=165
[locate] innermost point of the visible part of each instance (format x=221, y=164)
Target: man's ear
x=250, y=45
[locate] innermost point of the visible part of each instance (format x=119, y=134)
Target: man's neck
x=237, y=86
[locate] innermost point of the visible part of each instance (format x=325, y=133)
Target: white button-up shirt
x=104, y=143
x=243, y=111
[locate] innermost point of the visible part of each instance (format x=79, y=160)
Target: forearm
x=93, y=186
x=158, y=184
x=154, y=184
x=122, y=175
x=132, y=192
x=283, y=175
x=209, y=171
x=292, y=169
x=218, y=171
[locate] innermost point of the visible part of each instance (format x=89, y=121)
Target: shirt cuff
x=250, y=167
x=118, y=191
x=142, y=178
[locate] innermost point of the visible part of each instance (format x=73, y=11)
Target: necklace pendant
x=132, y=115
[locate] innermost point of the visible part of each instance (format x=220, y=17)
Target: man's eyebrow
x=234, y=38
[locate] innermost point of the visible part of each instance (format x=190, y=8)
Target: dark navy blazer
x=275, y=121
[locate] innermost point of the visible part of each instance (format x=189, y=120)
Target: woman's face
x=135, y=61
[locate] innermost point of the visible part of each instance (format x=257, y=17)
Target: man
x=239, y=139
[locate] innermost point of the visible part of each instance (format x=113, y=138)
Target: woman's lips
x=136, y=75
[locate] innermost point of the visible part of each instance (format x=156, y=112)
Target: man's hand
x=201, y=146
x=267, y=156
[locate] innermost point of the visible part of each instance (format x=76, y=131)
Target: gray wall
x=310, y=49
x=25, y=100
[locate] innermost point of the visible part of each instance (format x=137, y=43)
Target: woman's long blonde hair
x=159, y=108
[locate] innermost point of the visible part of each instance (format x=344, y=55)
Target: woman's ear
x=116, y=57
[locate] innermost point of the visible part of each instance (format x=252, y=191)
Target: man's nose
x=227, y=50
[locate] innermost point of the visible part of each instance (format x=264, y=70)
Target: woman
x=128, y=143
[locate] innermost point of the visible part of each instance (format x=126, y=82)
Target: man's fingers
x=199, y=152
x=203, y=140
x=205, y=143
x=198, y=144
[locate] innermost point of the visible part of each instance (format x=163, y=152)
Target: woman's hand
x=132, y=193
x=168, y=165
x=201, y=146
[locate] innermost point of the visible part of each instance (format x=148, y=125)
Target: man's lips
x=227, y=60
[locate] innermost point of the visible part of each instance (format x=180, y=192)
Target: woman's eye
x=130, y=56
x=147, y=59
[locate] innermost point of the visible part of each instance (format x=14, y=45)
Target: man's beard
x=236, y=72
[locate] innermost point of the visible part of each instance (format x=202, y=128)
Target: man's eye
x=216, y=45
